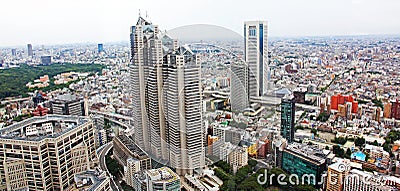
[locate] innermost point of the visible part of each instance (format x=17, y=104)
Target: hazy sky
x=72, y=21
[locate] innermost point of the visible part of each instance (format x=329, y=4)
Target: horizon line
x=231, y=39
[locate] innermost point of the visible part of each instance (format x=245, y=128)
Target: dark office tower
x=303, y=160
x=100, y=48
x=30, y=50
x=68, y=104
x=45, y=60
x=14, y=52
x=287, y=118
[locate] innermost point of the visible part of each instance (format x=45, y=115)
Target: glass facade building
x=304, y=161
x=287, y=118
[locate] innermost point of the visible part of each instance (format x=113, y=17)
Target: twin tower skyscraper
x=166, y=92
x=167, y=101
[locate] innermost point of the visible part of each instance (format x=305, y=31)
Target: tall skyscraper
x=14, y=52
x=100, y=48
x=239, y=86
x=141, y=35
x=287, y=118
x=183, y=110
x=256, y=56
x=30, y=50
x=166, y=97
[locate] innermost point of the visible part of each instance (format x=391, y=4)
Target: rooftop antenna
x=139, y=12
x=147, y=15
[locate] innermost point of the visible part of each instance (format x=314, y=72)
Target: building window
x=252, y=32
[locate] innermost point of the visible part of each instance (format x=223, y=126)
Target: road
x=102, y=158
x=264, y=164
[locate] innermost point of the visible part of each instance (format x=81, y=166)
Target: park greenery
x=315, y=132
x=22, y=117
x=359, y=141
x=299, y=127
x=245, y=178
x=339, y=140
x=390, y=138
x=338, y=151
x=13, y=81
x=323, y=117
x=378, y=103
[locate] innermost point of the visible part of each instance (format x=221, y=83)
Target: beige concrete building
x=56, y=148
x=238, y=157
x=92, y=180
x=336, y=174
x=162, y=179
x=129, y=155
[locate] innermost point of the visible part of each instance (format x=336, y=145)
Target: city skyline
x=87, y=103
x=107, y=21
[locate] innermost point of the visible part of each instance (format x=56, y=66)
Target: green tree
x=348, y=153
x=304, y=187
x=323, y=117
x=242, y=173
x=250, y=186
x=229, y=185
x=366, y=156
x=386, y=147
x=359, y=141
x=378, y=103
x=252, y=163
x=223, y=165
x=221, y=174
x=340, y=140
x=17, y=78
x=314, y=131
x=338, y=151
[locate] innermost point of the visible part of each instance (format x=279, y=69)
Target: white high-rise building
x=239, y=86
x=256, y=56
x=166, y=92
x=182, y=106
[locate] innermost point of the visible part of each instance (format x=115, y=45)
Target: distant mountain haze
x=204, y=32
